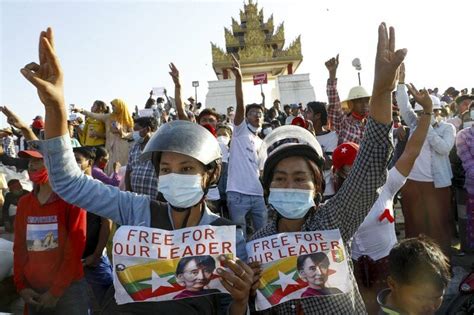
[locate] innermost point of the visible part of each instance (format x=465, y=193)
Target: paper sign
x=299, y=265
x=12, y=210
x=146, y=112
x=159, y=265
x=260, y=78
x=159, y=91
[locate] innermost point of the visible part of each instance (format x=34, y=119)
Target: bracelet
x=429, y=114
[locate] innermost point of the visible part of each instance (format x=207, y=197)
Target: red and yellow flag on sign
x=281, y=280
x=137, y=279
x=273, y=291
x=153, y=279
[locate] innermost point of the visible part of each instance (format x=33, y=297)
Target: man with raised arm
x=349, y=127
x=244, y=190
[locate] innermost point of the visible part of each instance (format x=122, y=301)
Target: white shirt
x=243, y=171
x=225, y=152
x=289, y=119
x=213, y=193
x=421, y=170
x=456, y=122
x=376, y=238
x=328, y=143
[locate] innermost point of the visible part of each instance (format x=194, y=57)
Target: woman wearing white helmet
x=187, y=159
x=293, y=183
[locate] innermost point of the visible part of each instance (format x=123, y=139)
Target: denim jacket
x=441, y=139
x=122, y=207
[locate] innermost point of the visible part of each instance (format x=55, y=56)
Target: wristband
x=426, y=113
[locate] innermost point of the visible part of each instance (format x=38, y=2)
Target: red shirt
x=49, y=241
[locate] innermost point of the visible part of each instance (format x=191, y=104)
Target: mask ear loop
x=206, y=190
x=317, y=199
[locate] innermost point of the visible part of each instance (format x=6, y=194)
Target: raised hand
x=332, y=65
x=239, y=93
x=12, y=118
x=401, y=74
x=236, y=67
x=16, y=122
x=47, y=77
x=387, y=61
x=174, y=73
x=423, y=98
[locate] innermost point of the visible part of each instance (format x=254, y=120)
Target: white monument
x=259, y=47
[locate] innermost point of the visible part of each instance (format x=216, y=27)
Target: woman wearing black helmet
x=293, y=182
x=186, y=157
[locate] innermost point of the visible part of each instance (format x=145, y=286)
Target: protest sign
x=146, y=112
x=260, y=78
x=158, y=91
x=299, y=265
x=159, y=265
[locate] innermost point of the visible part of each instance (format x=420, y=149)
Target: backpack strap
x=222, y=222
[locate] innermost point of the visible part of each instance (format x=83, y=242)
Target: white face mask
x=266, y=131
x=253, y=129
x=136, y=136
x=154, y=107
x=181, y=191
x=291, y=203
x=223, y=139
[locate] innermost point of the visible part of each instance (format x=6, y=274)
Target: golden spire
x=254, y=41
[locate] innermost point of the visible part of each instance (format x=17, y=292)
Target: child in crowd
x=419, y=274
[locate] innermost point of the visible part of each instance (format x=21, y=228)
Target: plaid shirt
x=9, y=146
x=347, y=127
x=345, y=211
x=143, y=178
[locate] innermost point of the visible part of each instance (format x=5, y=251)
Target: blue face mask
x=136, y=136
x=291, y=203
x=181, y=191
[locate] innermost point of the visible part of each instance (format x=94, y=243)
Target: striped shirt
x=348, y=128
x=143, y=178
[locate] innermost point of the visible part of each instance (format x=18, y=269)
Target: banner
x=299, y=265
x=158, y=265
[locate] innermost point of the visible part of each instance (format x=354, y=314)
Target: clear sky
x=112, y=49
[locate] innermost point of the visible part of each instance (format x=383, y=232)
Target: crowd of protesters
x=267, y=170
